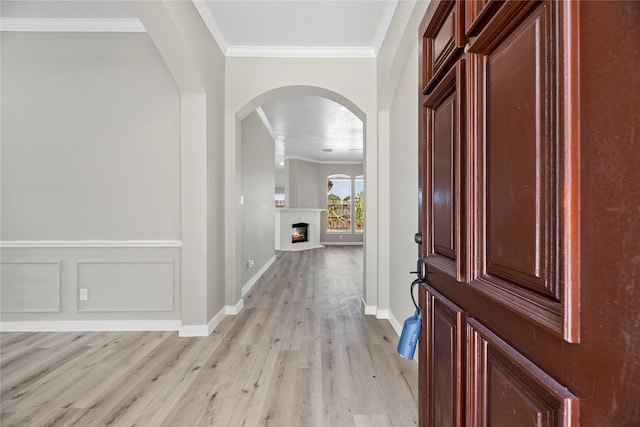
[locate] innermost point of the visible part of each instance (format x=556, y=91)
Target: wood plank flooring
x=301, y=353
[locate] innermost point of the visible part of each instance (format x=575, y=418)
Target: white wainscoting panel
x=127, y=285
x=29, y=287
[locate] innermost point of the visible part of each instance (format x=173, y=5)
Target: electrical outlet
x=84, y=294
x=250, y=263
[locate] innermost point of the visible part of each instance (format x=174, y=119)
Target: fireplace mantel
x=287, y=217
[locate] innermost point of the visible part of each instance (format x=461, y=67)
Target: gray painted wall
x=90, y=152
x=403, y=185
x=307, y=183
x=90, y=138
x=197, y=66
x=258, y=209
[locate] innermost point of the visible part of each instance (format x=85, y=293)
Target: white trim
x=93, y=25
x=267, y=123
x=395, y=324
x=234, y=309
x=383, y=28
x=211, y=24
x=215, y=321
x=382, y=313
x=342, y=243
x=193, y=331
x=369, y=310
x=247, y=287
x=301, y=247
x=90, y=244
x=89, y=325
x=326, y=162
x=299, y=52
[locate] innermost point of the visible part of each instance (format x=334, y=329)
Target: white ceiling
x=314, y=128
x=335, y=28
x=302, y=126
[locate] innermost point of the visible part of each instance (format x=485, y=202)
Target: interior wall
x=258, y=207
x=90, y=178
x=251, y=82
x=90, y=123
x=307, y=183
x=397, y=160
x=196, y=64
x=403, y=195
x=302, y=184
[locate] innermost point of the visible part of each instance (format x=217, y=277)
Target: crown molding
x=91, y=25
x=324, y=162
x=385, y=22
x=212, y=25
x=299, y=52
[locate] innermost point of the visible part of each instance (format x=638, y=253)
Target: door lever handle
x=421, y=270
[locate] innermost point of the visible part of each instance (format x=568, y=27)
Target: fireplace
x=297, y=229
x=299, y=232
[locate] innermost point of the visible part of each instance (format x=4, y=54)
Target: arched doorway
x=233, y=255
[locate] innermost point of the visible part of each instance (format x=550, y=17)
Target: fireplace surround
x=297, y=229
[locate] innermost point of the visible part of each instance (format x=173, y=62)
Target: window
x=345, y=214
x=359, y=204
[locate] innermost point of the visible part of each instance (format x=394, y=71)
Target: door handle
x=421, y=270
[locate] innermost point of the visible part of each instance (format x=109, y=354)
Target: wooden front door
x=530, y=216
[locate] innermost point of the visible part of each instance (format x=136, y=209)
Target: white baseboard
x=342, y=243
x=193, y=331
x=397, y=326
x=90, y=325
x=247, y=287
x=382, y=314
x=215, y=321
x=205, y=330
x=234, y=309
x=369, y=309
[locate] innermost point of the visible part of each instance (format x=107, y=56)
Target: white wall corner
x=247, y=287
x=234, y=309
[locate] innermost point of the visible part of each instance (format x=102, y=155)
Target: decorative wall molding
x=155, y=284
x=93, y=25
x=247, y=287
x=90, y=244
x=43, y=285
x=89, y=325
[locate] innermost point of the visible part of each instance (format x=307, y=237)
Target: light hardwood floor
x=301, y=353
